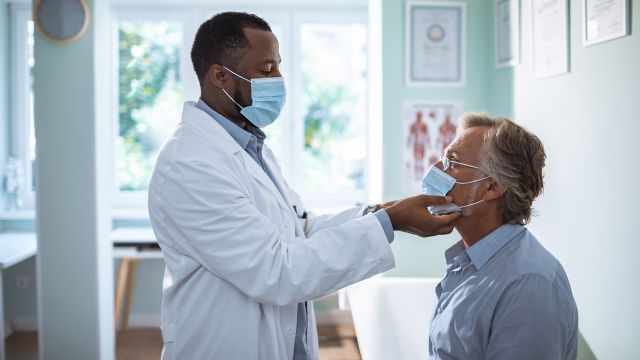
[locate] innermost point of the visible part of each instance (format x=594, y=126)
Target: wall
x=589, y=122
x=4, y=91
x=486, y=89
x=74, y=251
x=4, y=108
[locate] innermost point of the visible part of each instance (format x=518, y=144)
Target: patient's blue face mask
x=267, y=99
x=436, y=182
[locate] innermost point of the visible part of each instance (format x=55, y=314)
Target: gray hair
x=514, y=158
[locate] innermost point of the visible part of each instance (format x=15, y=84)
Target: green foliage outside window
x=149, y=78
x=327, y=116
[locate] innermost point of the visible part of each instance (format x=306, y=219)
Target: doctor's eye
x=266, y=69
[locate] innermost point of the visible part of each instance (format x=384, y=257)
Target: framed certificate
x=435, y=43
x=549, y=38
x=507, y=32
x=605, y=20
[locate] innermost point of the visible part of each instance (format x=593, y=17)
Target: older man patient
x=504, y=295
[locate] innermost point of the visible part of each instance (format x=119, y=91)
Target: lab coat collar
x=221, y=139
x=209, y=128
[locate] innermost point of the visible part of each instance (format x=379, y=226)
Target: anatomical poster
x=428, y=128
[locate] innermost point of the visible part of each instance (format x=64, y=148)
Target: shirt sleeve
x=385, y=221
x=534, y=319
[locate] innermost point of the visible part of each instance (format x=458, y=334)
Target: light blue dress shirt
x=253, y=142
x=505, y=297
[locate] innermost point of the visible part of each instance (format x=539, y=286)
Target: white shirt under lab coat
x=237, y=259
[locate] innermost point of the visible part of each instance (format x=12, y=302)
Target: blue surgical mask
x=438, y=183
x=267, y=99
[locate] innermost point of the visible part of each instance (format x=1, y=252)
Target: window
x=23, y=143
x=334, y=103
x=321, y=137
x=149, y=96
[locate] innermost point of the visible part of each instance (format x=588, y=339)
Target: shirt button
x=291, y=331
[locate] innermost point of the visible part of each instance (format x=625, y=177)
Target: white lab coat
x=237, y=259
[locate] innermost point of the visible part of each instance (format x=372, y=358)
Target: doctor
x=243, y=257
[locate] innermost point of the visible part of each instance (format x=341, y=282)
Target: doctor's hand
x=410, y=215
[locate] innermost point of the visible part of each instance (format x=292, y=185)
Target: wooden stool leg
x=123, y=273
x=131, y=280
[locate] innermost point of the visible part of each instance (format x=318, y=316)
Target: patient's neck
x=475, y=227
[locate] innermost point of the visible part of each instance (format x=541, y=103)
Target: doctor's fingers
x=429, y=200
x=443, y=224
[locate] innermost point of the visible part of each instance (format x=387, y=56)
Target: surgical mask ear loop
x=225, y=91
x=235, y=102
x=472, y=181
x=475, y=203
x=240, y=76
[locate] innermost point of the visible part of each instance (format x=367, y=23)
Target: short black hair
x=221, y=39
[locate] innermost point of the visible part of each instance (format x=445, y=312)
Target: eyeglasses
x=446, y=163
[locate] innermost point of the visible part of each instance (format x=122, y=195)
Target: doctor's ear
x=217, y=75
x=494, y=190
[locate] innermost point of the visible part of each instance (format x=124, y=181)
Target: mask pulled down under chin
x=444, y=209
x=438, y=183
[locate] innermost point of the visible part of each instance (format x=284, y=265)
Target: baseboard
x=24, y=324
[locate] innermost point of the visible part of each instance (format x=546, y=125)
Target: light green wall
x=4, y=90
x=486, y=89
x=20, y=304
x=589, y=121
x=74, y=251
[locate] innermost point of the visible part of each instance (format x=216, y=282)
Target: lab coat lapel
x=261, y=176
x=275, y=170
x=208, y=126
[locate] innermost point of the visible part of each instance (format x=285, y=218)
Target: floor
x=336, y=343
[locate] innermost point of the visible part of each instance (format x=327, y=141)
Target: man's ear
x=217, y=76
x=494, y=191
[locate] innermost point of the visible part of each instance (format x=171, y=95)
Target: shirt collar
x=484, y=249
x=451, y=253
x=488, y=246
x=240, y=135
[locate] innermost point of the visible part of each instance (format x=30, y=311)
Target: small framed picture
x=605, y=20
x=507, y=32
x=435, y=43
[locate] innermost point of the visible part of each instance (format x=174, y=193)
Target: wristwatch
x=371, y=209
